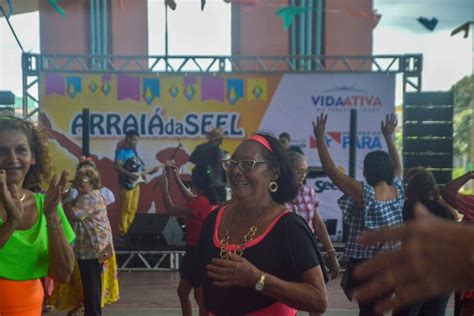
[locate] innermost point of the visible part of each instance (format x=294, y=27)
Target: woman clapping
x=34, y=232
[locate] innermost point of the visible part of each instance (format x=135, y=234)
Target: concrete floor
x=154, y=293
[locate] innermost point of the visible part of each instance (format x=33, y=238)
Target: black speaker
x=331, y=225
x=155, y=230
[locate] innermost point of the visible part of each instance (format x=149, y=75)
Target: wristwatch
x=261, y=282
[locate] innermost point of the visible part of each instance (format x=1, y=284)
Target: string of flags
x=288, y=14
x=54, y=4
x=463, y=27
x=224, y=89
x=172, y=4
x=429, y=24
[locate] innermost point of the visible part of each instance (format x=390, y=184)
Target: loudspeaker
x=331, y=225
x=153, y=230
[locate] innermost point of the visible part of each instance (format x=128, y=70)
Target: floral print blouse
x=93, y=232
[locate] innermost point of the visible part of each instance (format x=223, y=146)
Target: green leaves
x=463, y=115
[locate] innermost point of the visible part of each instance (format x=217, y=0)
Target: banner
x=300, y=98
x=173, y=113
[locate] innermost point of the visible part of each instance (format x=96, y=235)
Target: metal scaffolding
x=149, y=260
x=409, y=65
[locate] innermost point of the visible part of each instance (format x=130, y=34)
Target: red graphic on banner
x=336, y=136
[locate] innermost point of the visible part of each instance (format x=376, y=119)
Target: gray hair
x=295, y=157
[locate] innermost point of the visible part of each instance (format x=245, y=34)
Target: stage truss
x=410, y=65
x=169, y=260
x=148, y=260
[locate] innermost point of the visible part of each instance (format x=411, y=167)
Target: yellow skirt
x=69, y=295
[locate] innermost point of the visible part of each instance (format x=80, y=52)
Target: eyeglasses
x=244, y=165
x=302, y=173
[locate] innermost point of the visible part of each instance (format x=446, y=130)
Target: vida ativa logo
x=347, y=97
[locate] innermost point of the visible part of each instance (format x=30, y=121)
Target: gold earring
x=273, y=186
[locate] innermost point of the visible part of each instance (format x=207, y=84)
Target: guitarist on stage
x=131, y=170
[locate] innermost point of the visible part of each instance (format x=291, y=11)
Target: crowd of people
x=256, y=253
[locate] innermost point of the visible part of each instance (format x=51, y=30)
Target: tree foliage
x=463, y=115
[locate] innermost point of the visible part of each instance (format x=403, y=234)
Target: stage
x=154, y=293
x=132, y=257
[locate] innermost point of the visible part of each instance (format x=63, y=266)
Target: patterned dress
x=69, y=295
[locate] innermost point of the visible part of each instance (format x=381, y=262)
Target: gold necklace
x=224, y=253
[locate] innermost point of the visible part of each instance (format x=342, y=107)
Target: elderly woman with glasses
x=259, y=258
x=306, y=205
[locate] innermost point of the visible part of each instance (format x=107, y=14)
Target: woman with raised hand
x=197, y=206
x=34, y=232
x=259, y=258
x=369, y=205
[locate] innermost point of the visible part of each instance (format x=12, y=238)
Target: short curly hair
x=39, y=173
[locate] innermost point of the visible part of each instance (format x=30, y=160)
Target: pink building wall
x=346, y=32
x=129, y=29
x=257, y=31
x=64, y=34
x=69, y=34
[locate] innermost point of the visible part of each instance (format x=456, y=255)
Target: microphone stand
x=176, y=149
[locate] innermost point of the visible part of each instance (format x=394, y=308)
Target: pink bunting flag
x=212, y=88
x=55, y=83
x=128, y=88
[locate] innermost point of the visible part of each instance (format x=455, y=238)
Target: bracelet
x=54, y=225
x=67, y=200
x=331, y=250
